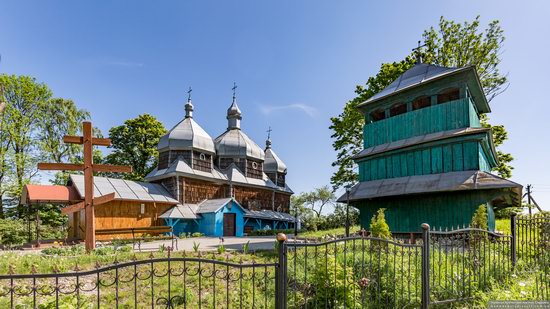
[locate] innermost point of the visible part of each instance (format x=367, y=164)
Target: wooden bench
x=142, y=230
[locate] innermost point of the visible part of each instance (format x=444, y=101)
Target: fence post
x=280, y=283
x=425, y=265
x=514, y=239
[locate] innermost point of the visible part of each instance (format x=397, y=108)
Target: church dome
x=234, y=142
x=272, y=162
x=187, y=135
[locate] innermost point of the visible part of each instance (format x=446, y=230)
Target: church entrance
x=228, y=224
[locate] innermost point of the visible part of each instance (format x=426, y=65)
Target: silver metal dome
x=272, y=162
x=187, y=135
x=235, y=143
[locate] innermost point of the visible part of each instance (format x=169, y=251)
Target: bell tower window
x=421, y=102
x=449, y=94
x=378, y=115
x=398, y=109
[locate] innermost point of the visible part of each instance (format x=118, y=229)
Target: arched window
x=449, y=94
x=421, y=102
x=377, y=115
x=398, y=109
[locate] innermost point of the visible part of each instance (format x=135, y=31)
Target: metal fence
x=353, y=272
x=172, y=282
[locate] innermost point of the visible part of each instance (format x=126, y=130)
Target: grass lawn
x=503, y=226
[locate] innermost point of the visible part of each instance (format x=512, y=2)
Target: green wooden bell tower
x=426, y=157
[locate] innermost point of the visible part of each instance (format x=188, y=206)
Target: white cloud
x=308, y=110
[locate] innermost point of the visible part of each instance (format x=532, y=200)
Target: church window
x=202, y=156
x=378, y=114
x=255, y=165
x=447, y=95
x=202, y=161
x=421, y=102
x=398, y=109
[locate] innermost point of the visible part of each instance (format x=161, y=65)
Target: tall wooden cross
x=88, y=168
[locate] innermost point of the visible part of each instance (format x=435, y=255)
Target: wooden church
x=227, y=186
x=426, y=157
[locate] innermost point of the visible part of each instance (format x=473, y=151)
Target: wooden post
x=89, y=186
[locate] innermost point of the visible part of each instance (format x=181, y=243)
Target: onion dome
x=272, y=162
x=234, y=142
x=187, y=135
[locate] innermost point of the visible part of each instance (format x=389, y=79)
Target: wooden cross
x=89, y=168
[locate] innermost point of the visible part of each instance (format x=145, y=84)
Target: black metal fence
x=353, y=272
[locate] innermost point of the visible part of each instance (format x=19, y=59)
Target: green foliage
x=453, y=44
x=221, y=248
x=196, y=246
x=135, y=144
x=13, y=232
x=378, y=226
x=263, y=232
x=246, y=247
x=480, y=218
x=197, y=234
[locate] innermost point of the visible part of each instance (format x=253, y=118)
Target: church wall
x=193, y=191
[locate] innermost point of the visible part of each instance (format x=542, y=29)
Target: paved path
x=212, y=243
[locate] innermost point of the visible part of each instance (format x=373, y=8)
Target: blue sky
x=296, y=64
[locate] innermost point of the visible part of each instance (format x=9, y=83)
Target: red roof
x=33, y=194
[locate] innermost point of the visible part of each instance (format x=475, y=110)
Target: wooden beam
x=96, y=201
x=112, y=168
x=69, y=139
x=60, y=167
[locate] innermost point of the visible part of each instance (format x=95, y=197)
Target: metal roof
x=179, y=211
x=272, y=162
x=186, y=135
x=269, y=215
x=418, y=74
x=235, y=143
x=209, y=206
x=125, y=189
x=33, y=194
x=415, y=140
x=445, y=182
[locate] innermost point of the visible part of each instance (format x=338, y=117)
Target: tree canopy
x=135, y=143
x=451, y=45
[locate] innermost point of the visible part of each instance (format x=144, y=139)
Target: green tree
x=479, y=219
x=135, y=144
x=453, y=44
x=378, y=225
x=26, y=100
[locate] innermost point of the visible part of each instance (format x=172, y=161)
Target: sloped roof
x=180, y=212
x=125, y=189
x=235, y=143
x=423, y=73
x=272, y=162
x=209, y=206
x=48, y=194
x=232, y=173
x=269, y=215
x=418, y=74
x=444, y=182
x=415, y=140
x=186, y=135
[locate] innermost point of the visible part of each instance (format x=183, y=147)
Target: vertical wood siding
x=442, y=117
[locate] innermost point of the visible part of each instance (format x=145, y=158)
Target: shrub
x=12, y=232
x=197, y=234
x=378, y=225
x=221, y=249
x=196, y=246
x=269, y=232
x=246, y=247
x=479, y=220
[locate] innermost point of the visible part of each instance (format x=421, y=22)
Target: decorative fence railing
x=353, y=272
x=172, y=282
